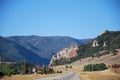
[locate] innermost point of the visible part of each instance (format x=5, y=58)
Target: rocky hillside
x=106, y=43
x=65, y=53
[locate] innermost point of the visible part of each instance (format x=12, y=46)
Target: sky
x=80, y=19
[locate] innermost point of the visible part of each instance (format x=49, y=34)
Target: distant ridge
x=37, y=50
x=11, y=51
x=45, y=46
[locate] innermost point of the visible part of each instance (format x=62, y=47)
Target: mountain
x=12, y=51
x=36, y=50
x=106, y=43
x=85, y=41
x=44, y=46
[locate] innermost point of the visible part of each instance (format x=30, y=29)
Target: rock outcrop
x=65, y=53
x=104, y=44
x=95, y=43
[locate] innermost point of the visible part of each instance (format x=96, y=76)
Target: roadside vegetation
x=15, y=68
x=23, y=68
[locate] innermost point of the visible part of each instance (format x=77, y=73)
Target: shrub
x=66, y=66
x=1, y=74
x=59, y=71
x=70, y=66
x=95, y=67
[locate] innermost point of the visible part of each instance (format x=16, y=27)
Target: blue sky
x=75, y=18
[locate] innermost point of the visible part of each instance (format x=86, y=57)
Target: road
x=68, y=76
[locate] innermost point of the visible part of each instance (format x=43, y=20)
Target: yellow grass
x=26, y=77
x=99, y=76
x=108, y=74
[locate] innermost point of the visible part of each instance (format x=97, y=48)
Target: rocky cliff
x=106, y=43
x=65, y=53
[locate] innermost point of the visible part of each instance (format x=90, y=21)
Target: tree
x=95, y=67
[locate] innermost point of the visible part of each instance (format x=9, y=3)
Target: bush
x=17, y=68
x=1, y=74
x=70, y=67
x=95, y=67
x=66, y=66
x=59, y=71
x=47, y=70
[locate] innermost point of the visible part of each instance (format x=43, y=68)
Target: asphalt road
x=68, y=76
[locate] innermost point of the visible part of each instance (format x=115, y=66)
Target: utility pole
x=1, y=63
x=4, y=66
x=53, y=68
x=43, y=69
x=24, y=66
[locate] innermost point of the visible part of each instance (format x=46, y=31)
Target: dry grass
x=99, y=76
x=26, y=77
x=110, y=74
x=107, y=59
x=34, y=76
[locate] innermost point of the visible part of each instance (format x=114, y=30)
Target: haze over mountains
x=34, y=49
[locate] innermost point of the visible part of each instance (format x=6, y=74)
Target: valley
x=59, y=40
x=98, y=59
x=108, y=74
x=36, y=50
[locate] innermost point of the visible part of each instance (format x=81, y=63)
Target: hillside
x=63, y=54
x=35, y=49
x=45, y=46
x=108, y=59
x=106, y=43
x=103, y=44
x=11, y=51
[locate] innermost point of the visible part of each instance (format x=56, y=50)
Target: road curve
x=69, y=76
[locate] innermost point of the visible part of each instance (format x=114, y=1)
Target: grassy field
x=109, y=74
x=34, y=76
x=99, y=75
x=26, y=77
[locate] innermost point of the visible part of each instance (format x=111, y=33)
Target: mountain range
x=34, y=49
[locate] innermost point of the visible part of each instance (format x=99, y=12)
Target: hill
x=44, y=46
x=106, y=43
x=108, y=59
x=11, y=51
x=35, y=49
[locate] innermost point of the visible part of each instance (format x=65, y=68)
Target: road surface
x=68, y=76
